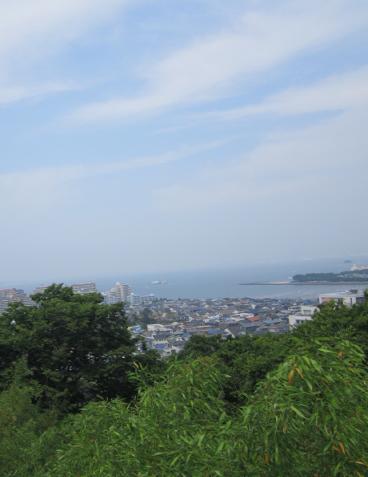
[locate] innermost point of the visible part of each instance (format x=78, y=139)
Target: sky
x=151, y=135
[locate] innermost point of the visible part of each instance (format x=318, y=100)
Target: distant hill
x=342, y=277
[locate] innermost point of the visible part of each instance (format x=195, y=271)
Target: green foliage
x=339, y=321
x=178, y=428
x=55, y=291
x=21, y=426
x=201, y=346
x=76, y=348
x=310, y=417
x=246, y=360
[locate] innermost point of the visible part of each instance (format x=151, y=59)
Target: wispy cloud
x=258, y=41
x=37, y=186
x=13, y=94
x=38, y=25
x=32, y=30
x=285, y=163
x=335, y=93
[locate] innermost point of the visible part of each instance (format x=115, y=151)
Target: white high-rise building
x=118, y=293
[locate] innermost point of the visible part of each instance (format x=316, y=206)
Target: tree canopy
x=76, y=348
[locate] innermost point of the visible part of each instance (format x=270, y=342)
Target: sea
x=226, y=282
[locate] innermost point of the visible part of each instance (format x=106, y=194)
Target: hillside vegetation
x=77, y=400
x=357, y=276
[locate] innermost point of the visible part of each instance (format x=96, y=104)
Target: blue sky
x=142, y=135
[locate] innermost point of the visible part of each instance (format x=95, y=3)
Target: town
x=165, y=325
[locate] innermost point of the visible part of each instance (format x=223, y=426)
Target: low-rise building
x=306, y=313
x=135, y=300
x=348, y=298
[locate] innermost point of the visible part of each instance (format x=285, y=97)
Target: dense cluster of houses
x=173, y=322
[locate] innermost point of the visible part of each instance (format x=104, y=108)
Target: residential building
x=148, y=299
x=135, y=300
x=13, y=295
x=84, y=288
x=40, y=289
x=80, y=288
x=306, y=313
x=119, y=293
x=347, y=298
x=359, y=268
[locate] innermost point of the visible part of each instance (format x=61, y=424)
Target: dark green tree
x=76, y=348
x=245, y=360
x=201, y=346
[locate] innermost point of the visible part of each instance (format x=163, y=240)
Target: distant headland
x=358, y=274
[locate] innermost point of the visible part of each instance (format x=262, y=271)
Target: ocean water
x=220, y=283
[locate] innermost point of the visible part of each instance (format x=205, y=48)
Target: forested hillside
x=354, y=276
x=77, y=400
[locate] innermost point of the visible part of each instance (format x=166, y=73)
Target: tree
x=201, y=346
x=245, y=360
x=75, y=347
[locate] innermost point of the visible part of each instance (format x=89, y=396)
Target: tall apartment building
x=84, y=288
x=13, y=295
x=118, y=293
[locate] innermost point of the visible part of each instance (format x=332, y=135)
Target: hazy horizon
x=141, y=136
x=246, y=272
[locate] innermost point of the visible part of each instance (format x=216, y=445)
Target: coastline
x=302, y=283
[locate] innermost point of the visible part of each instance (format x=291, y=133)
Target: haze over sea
x=222, y=282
